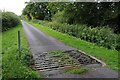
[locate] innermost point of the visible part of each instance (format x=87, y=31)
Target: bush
x=59, y=17
x=39, y=22
x=35, y=21
x=102, y=36
x=55, y=25
x=9, y=20
x=28, y=59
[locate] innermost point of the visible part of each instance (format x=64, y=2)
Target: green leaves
x=92, y=14
x=102, y=36
x=9, y=20
x=36, y=11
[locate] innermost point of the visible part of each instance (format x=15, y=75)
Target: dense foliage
x=102, y=36
x=92, y=14
x=9, y=20
x=36, y=11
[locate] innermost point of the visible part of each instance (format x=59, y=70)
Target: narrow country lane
x=40, y=43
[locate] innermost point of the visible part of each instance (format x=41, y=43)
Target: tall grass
x=12, y=65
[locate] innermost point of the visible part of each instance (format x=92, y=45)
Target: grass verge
x=76, y=70
x=110, y=57
x=13, y=66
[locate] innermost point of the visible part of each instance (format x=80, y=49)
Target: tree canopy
x=92, y=14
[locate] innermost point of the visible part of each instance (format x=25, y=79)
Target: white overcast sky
x=15, y=6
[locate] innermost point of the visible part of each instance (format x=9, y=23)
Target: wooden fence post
x=19, y=44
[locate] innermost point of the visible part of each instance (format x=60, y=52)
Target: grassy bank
x=110, y=57
x=14, y=66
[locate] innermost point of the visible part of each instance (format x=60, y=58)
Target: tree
x=36, y=11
